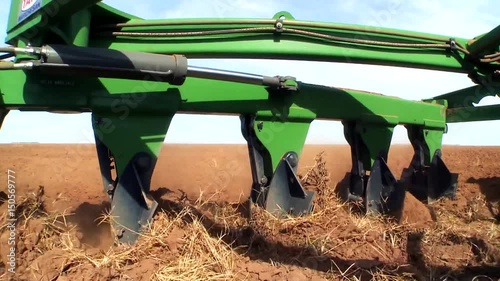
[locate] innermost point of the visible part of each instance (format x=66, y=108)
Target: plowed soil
x=201, y=231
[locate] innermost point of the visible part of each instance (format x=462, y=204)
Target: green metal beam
x=290, y=48
x=468, y=96
x=257, y=38
x=489, y=42
x=294, y=39
x=473, y=114
x=35, y=26
x=37, y=92
x=273, y=45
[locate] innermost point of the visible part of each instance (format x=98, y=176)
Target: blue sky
x=454, y=18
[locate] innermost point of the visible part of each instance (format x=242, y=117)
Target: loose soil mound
x=202, y=231
x=415, y=212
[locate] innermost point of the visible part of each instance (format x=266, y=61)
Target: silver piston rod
x=100, y=62
x=233, y=76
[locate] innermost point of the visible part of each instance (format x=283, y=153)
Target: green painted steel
x=283, y=45
x=126, y=137
x=469, y=96
x=34, y=28
x=473, y=114
x=280, y=137
x=135, y=142
x=131, y=117
x=268, y=44
x=487, y=42
x=462, y=103
x=431, y=142
x=376, y=141
x=38, y=92
x=294, y=39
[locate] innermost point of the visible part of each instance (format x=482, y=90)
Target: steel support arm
x=35, y=24
x=276, y=38
x=473, y=114
x=468, y=96
x=489, y=42
x=35, y=91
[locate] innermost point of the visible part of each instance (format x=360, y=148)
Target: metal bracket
x=285, y=194
x=427, y=177
x=131, y=203
x=106, y=166
x=453, y=44
x=379, y=190
x=132, y=206
x=278, y=26
x=280, y=191
x=383, y=192
x=288, y=83
x=430, y=182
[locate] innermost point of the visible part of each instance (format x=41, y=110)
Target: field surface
x=201, y=231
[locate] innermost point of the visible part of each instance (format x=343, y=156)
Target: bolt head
x=263, y=180
x=293, y=159
x=260, y=125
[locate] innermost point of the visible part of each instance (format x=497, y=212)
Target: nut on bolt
x=263, y=180
x=120, y=232
x=260, y=126
x=293, y=159
x=279, y=25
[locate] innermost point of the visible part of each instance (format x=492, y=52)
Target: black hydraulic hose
x=99, y=61
x=192, y=33
x=287, y=30
x=96, y=62
x=9, y=50
x=6, y=56
x=188, y=22
x=497, y=54
x=492, y=59
x=6, y=65
x=444, y=45
x=363, y=41
x=271, y=21
x=444, y=41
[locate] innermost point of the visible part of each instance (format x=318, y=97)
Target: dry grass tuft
x=205, y=239
x=37, y=224
x=177, y=246
x=201, y=257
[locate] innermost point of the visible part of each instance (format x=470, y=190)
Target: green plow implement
x=134, y=75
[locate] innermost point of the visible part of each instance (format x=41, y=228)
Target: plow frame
x=131, y=113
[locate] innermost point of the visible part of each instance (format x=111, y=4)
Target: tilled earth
x=203, y=232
